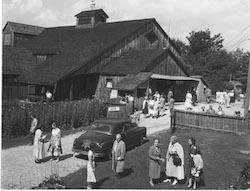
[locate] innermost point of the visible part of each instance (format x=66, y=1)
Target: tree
x=202, y=42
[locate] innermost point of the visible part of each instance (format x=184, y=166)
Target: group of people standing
x=154, y=105
x=175, y=163
x=37, y=138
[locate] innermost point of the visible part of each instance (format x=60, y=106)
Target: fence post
x=172, y=123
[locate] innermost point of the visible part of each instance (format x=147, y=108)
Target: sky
x=230, y=18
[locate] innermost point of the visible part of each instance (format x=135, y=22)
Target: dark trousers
x=31, y=137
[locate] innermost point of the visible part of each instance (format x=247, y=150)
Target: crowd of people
x=155, y=105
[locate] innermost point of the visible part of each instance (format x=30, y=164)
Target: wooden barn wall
x=136, y=40
x=8, y=30
x=102, y=91
x=165, y=65
x=14, y=92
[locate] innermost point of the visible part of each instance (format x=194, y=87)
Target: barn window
x=109, y=82
x=84, y=20
x=32, y=89
x=151, y=37
x=41, y=58
x=7, y=39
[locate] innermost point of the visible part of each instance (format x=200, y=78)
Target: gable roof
x=17, y=61
x=133, y=61
x=91, y=13
x=75, y=47
x=131, y=81
x=24, y=29
x=236, y=83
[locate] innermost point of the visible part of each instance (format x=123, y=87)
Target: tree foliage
x=205, y=56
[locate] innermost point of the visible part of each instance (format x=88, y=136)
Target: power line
x=238, y=35
x=237, y=44
x=244, y=37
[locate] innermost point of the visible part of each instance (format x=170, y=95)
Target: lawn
x=221, y=154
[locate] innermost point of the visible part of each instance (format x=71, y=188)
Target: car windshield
x=102, y=128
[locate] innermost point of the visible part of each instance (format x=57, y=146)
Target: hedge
x=16, y=118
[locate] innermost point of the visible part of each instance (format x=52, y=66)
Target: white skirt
x=90, y=173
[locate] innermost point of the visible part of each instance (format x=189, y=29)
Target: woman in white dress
x=38, y=149
x=91, y=179
x=173, y=169
x=151, y=104
x=188, y=102
x=55, y=146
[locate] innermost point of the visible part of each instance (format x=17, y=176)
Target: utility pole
x=246, y=106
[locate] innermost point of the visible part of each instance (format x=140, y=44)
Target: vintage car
x=102, y=134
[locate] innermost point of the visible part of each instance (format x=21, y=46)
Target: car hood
x=94, y=137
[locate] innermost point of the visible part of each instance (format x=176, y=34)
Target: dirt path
x=20, y=171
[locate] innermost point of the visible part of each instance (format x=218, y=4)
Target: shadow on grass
x=64, y=157
x=100, y=182
x=127, y=172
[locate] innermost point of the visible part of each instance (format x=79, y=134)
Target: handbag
x=176, y=160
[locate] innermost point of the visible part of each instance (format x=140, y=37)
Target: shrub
x=52, y=182
x=16, y=116
x=244, y=178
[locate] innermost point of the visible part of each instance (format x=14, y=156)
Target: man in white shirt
x=48, y=96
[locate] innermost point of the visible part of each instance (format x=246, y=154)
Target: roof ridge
x=24, y=24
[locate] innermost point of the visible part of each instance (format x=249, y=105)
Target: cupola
x=90, y=19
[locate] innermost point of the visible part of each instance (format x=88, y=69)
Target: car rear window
x=101, y=127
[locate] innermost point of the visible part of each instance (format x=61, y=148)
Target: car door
x=129, y=134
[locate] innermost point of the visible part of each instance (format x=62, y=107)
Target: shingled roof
x=74, y=47
x=131, y=81
x=25, y=29
x=17, y=61
x=133, y=61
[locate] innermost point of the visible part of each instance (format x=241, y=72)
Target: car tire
x=141, y=141
x=109, y=155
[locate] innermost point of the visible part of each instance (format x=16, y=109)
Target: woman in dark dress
x=190, y=163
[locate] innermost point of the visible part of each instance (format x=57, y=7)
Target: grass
x=221, y=154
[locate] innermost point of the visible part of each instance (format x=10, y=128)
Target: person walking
x=192, y=146
x=151, y=104
x=145, y=106
x=33, y=126
x=118, y=156
x=38, y=148
x=91, y=179
x=154, y=162
x=171, y=106
x=174, y=161
x=161, y=105
x=170, y=94
x=55, y=146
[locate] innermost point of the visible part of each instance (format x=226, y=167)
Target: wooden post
x=71, y=91
x=246, y=106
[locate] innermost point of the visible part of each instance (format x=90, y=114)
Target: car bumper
x=97, y=154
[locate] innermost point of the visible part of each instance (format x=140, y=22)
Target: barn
x=94, y=56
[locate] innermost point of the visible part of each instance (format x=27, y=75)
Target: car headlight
x=99, y=145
